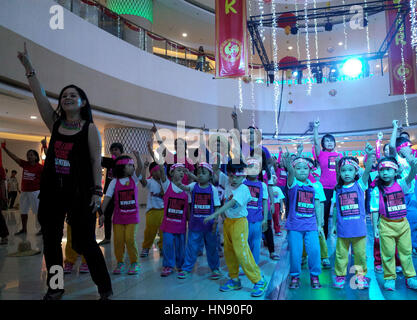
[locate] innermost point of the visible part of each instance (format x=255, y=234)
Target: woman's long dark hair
x=85, y=111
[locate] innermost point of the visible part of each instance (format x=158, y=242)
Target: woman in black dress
x=71, y=181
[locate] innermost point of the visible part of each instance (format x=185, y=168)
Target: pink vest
x=327, y=162
x=392, y=205
x=175, y=211
x=126, y=208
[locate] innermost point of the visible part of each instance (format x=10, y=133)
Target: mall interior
x=139, y=63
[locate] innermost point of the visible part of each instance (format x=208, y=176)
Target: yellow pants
x=70, y=255
x=342, y=255
x=237, y=251
x=396, y=234
x=323, y=248
x=125, y=235
x=153, y=223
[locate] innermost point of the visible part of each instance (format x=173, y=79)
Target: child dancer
x=304, y=221
x=204, y=200
x=154, y=207
x=174, y=221
x=349, y=201
x=257, y=208
x=126, y=211
x=235, y=229
x=393, y=228
x=327, y=160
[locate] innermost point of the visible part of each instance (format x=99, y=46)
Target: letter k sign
x=229, y=6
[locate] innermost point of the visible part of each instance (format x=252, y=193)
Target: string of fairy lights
x=298, y=33
x=240, y=95
x=252, y=84
x=344, y=28
x=413, y=20
x=275, y=57
x=404, y=83
x=316, y=38
x=367, y=28
x=310, y=84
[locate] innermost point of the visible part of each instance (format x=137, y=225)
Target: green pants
x=342, y=255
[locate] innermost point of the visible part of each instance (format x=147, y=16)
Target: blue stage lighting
x=352, y=67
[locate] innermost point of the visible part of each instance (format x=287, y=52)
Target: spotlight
x=352, y=67
x=328, y=26
x=294, y=30
x=333, y=73
x=318, y=74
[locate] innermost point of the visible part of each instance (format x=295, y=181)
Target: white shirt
x=242, y=197
x=123, y=181
x=216, y=200
x=278, y=195
x=154, y=201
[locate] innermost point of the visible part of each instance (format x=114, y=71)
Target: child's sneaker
x=389, y=285
x=339, y=282
x=274, y=256
x=325, y=263
x=315, y=283
x=68, y=267
x=215, y=275
x=183, y=274
x=295, y=283
x=134, y=268
x=259, y=288
x=144, y=253
x=120, y=268
x=379, y=269
x=166, y=271
x=231, y=285
x=398, y=269
x=84, y=268
x=411, y=283
x=362, y=282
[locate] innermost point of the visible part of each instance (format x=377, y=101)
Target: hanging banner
x=231, y=39
x=396, y=70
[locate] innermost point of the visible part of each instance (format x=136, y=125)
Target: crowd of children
x=187, y=205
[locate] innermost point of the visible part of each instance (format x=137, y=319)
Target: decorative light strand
x=275, y=57
x=261, y=25
x=404, y=80
x=310, y=84
x=367, y=28
x=252, y=84
x=298, y=33
x=344, y=27
x=240, y=95
x=413, y=20
x=315, y=31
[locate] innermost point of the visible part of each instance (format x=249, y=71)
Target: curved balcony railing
x=104, y=18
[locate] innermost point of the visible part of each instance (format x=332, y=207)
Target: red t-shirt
x=31, y=177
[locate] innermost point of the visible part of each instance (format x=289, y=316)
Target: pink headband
x=176, y=165
x=302, y=160
x=125, y=161
x=403, y=145
x=207, y=166
x=156, y=168
x=349, y=162
x=387, y=164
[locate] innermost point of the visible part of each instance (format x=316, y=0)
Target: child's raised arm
x=316, y=137
x=139, y=162
x=290, y=169
x=370, y=152
x=392, y=147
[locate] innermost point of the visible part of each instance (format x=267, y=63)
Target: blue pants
x=194, y=243
x=411, y=202
x=254, y=239
x=312, y=244
x=173, y=248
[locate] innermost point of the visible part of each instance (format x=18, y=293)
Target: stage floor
x=23, y=278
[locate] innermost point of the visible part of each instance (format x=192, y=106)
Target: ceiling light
x=33, y=117
x=290, y=48
x=184, y=35
x=340, y=43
